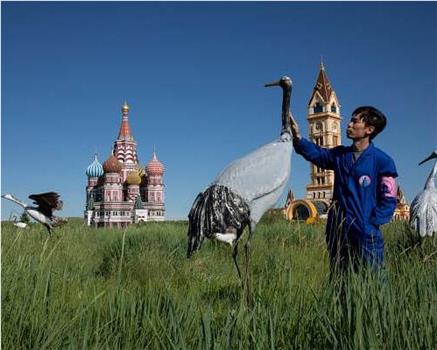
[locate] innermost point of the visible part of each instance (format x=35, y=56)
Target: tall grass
x=135, y=289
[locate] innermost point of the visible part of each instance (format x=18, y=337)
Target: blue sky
x=193, y=74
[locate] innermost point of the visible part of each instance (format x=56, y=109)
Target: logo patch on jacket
x=364, y=180
x=388, y=186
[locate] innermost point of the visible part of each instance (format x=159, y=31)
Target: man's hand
x=294, y=128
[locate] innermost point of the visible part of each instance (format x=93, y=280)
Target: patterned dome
x=154, y=167
x=95, y=169
x=112, y=165
x=133, y=178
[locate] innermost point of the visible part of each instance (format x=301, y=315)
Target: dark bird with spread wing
x=45, y=204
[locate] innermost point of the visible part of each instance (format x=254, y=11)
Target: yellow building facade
x=324, y=129
x=402, y=211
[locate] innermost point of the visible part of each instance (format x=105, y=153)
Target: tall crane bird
x=244, y=190
x=43, y=212
x=423, y=210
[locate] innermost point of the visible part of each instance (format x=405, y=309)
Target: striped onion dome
x=133, y=178
x=112, y=165
x=154, y=167
x=95, y=169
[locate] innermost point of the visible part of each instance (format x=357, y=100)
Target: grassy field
x=135, y=289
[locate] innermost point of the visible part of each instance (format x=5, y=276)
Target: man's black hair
x=372, y=116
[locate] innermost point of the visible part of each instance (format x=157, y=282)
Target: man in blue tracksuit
x=364, y=191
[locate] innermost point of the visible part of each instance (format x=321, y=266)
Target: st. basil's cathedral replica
x=120, y=192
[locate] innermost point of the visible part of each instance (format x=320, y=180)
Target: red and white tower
x=125, y=147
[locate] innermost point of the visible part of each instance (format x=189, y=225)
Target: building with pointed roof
x=121, y=192
x=402, y=211
x=324, y=128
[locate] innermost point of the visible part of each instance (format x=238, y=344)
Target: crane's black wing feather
x=214, y=211
x=47, y=202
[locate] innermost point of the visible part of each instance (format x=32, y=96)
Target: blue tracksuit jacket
x=364, y=198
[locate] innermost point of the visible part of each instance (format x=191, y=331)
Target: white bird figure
x=244, y=190
x=43, y=213
x=17, y=223
x=20, y=224
x=423, y=210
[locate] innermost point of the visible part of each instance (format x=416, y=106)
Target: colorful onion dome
x=154, y=167
x=133, y=178
x=112, y=165
x=95, y=169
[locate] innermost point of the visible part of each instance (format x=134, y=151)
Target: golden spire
x=125, y=133
x=125, y=108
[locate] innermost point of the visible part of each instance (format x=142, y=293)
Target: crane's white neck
x=16, y=200
x=430, y=184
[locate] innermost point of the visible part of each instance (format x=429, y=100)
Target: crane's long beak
x=429, y=158
x=273, y=83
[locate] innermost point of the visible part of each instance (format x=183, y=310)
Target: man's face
x=357, y=129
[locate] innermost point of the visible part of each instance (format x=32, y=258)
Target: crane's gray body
x=241, y=194
x=423, y=209
x=423, y=213
x=259, y=177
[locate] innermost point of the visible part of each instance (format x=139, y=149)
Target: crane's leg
x=231, y=237
x=248, y=279
x=234, y=256
x=49, y=229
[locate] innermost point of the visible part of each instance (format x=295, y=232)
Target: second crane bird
x=244, y=190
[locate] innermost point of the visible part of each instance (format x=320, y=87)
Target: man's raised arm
x=322, y=157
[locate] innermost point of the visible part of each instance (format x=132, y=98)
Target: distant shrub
x=24, y=218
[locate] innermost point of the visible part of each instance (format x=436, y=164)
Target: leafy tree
x=24, y=218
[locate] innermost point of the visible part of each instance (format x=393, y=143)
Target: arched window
x=333, y=108
x=318, y=107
